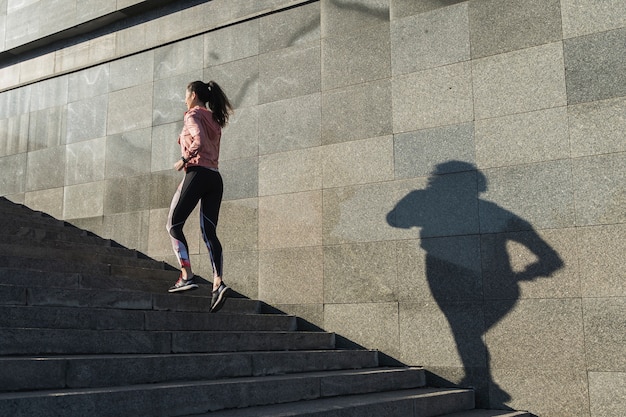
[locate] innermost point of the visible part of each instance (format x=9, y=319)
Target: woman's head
x=210, y=94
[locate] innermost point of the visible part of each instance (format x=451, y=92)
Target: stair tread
x=489, y=413
x=335, y=404
x=99, y=318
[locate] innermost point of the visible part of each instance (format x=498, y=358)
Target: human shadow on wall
x=467, y=265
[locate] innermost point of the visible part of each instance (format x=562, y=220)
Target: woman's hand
x=179, y=165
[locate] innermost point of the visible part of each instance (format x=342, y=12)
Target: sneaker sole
x=185, y=288
x=221, y=299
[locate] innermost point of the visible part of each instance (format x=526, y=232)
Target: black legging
x=204, y=185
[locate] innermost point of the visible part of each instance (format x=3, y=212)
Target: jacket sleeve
x=193, y=140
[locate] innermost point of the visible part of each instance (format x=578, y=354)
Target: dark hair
x=212, y=94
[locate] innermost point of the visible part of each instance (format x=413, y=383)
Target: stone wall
x=442, y=180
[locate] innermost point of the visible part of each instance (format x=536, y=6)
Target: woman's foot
x=183, y=284
x=220, y=292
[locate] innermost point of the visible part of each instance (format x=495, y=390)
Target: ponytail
x=212, y=94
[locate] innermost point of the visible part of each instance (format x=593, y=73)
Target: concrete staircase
x=87, y=328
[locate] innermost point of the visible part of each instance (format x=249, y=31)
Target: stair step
x=43, y=233
x=420, y=402
x=490, y=413
x=79, y=341
x=193, y=397
x=59, y=372
x=23, y=317
x=191, y=301
x=69, y=252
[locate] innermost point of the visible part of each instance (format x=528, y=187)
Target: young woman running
x=207, y=113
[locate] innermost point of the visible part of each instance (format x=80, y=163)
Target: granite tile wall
x=441, y=180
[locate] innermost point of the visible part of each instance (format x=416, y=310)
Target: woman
x=200, y=144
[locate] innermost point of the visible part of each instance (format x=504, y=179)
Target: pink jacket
x=200, y=138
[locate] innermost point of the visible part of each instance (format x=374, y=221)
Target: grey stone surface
x=241, y=138
x=13, y=174
x=131, y=71
x=447, y=206
x=15, y=134
x=291, y=27
x=357, y=112
x=441, y=268
x=600, y=189
x=178, y=58
x=417, y=153
x=563, y=391
x=241, y=178
x=126, y=194
x=357, y=58
x=129, y=153
x=537, y=195
x=47, y=128
x=85, y=161
x=429, y=40
x=129, y=229
x=369, y=324
x=49, y=201
x=595, y=66
x=16, y=32
x=159, y=243
x=358, y=162
x=91, y=9
x=238, y=227
x=289, y=72
x=165, y=149
x=503, y=25
x=168, y=98
x=582, y=17
x=597, y=127
x=426, y=336
x=240, y=80
x=601, y=252
x=231, y=43
x=358, y=213
x=290, y=172
x=46, y=168
x=309, y=315
x=90, y=82
x=290, y=220
x=501, y=121
x=281, y=272
x=83, y=200
x=304, y=130
x=360, y=273
x=49, y=93
x=163, y=184
x=433, y=97
x=519, y=81
x=530, y=264
x=606, y=393
x=536, y=334
x=87, y=119
x=605, y=326
x=16, y=102
x=129, y=109
x=241, y=270
x=341, y=18
x=522, y=138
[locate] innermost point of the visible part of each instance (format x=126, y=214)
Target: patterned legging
x=204, y=185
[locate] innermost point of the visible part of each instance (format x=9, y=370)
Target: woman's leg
x=184, y=201
x=209, y=215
